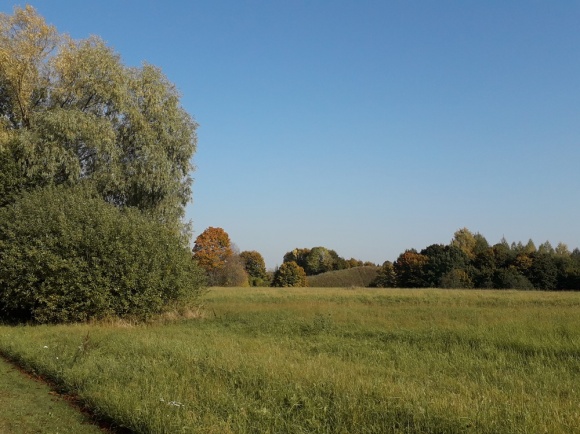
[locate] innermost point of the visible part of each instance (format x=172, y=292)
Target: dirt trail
x=30, y=406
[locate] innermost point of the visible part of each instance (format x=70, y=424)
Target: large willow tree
x=94, y=177
x=71, y=112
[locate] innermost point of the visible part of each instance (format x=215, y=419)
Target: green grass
x=358, y=277
x=27, y=407
x=328, y=361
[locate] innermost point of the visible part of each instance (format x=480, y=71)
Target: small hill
x=356, y=276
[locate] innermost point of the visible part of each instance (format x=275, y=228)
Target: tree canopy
x=71, y=111
x=319, y=260
x=95, y=162
x=212, y=250
x=255, y=267
x=288, y=275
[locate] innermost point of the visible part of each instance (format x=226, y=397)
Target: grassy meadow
x=321, y=360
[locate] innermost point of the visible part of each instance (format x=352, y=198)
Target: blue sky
x=368, y=127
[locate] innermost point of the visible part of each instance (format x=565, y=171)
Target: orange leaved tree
x=212, y=250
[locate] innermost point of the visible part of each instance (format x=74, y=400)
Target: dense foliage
x=386, y=276
x=255, y=267
x=288, y=275
x=470, y=262
x=67, y=255
x=232, y=273
x=95, y=162
x=70, y=111
x=319, y=260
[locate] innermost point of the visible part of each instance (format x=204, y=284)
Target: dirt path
x=29, y=406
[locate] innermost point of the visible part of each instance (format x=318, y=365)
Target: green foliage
x=481, y=244
x=299, y=256
x=410, y=269
x=66, y=255
x=456, y=278
x=70, y=111
x=469, y=261
x=386, y=277
x=255, y=266
x=546, y=248
x=510, y=278
x=570, y=275
x=441, y=261
x=289, y=274
x=11, y=179
x=543, y=272
x=319, y=260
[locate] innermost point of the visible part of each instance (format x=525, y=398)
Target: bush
x=289, y=274
x=232, y=273
x=66, y=255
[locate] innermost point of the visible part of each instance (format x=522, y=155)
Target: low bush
x=66, y=255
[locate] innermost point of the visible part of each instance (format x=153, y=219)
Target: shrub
x=232, y=273
x=289, y=274
x=66, y=255
x=255, y=266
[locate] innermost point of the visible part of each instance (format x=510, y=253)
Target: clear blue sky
x=368, y=127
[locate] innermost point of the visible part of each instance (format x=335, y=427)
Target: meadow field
x=325, y=360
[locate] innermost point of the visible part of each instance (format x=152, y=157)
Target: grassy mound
x=357, y=277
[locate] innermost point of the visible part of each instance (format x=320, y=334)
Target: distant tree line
x=226, y=266
x=300, y=263
x=469, y=261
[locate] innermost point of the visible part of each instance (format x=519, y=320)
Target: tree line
x=468, y=261
x=225, y=265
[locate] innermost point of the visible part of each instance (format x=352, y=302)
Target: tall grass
x=328, y=361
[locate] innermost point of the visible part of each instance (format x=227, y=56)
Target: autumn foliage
x=212, y=249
